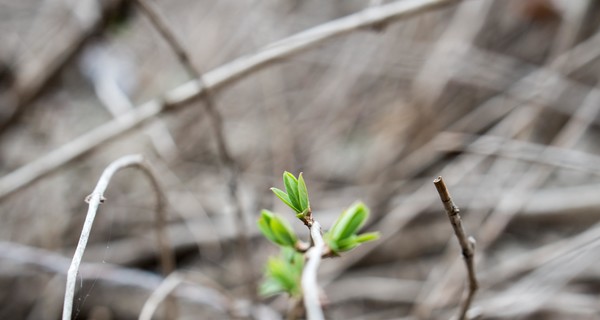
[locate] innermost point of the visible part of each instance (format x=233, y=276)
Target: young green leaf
x=283, y=273
x=291, y=187
x=366, y=237
x=270, y=287
x=285, y=198
x=350, y=221
x=303, y=193
x=331, y=243
x=263, y=225
x=347, y=243
x=359, y=214
x=282, y=231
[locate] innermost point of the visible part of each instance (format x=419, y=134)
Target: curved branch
x=94, y=200
x=159, y=295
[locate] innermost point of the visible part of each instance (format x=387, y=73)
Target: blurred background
x=499, y=97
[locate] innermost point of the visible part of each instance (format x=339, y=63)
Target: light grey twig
x=213, y=80
x=144, y=281
x=310, y=287
x=94, y=200
x=161, y=293
x=467, y=244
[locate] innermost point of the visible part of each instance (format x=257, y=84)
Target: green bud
x=276, y=229
x=291, y=187
x=285, y=198
x=350, y=221
x=283, y=274
x=303, y=194
x=283, y=232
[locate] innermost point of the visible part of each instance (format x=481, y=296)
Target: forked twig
x=467, y=244
x=310, y=287
x=94, y=200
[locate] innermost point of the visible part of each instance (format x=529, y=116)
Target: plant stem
x=310, y=287
x=467, y=244
x=94, y=200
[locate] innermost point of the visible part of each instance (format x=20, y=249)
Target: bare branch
x=117, y=275
x=94, y=200
x=160, y=24
x=467, y=244
x=160, y=294
x=214, y=80
x=216, y=120
x=310, y=286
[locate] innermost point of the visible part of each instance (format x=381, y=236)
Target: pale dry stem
x=94, y=200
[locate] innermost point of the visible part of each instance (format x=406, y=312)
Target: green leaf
x=282, y=231
x=270, y=287
x=284, y=197
x=349, y=221
x=288, y=254
x=359, y=214
x=332, y=244
x=366, y=237
x=283, y=274
x=291, y=187
x=303, y=193
x=263, y=225
x=347, y=243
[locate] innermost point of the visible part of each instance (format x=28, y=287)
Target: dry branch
x=507, y=207
x=214, y=80
x=51, y=262
x=467, y=244
x=226, y=160
x=516, y=199
x=94, y=200
x=159, y=295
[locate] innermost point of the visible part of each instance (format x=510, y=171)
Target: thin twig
x=159, y=295
x=94, y=200
x=116, y=275
x=467, y=244
x=226, y=74
x=511, y=203
x=310, y=286
x=216, y=120
x=507, y=208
